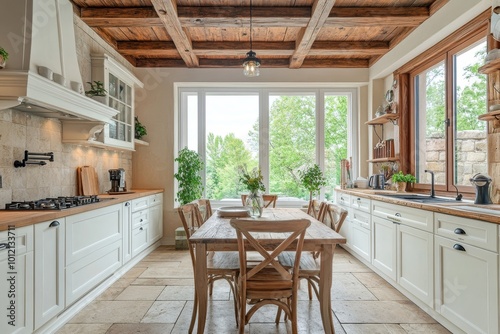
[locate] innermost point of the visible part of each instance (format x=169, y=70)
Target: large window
x=448, y=95
x=280, y=130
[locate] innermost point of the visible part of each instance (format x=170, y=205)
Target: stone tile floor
x=156, y=296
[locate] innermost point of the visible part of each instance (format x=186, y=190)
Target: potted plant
x=254, y=182
x=140, y=130
x=188, y=175
x=312, y=179
x=401, y=180
x=97, y=91
x=4, y=55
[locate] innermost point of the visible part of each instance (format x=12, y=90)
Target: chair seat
x=222, y=262
x=308, y=264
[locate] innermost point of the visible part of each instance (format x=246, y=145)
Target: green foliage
x=400, y=177
x=96, y=89
x=253, y=180
x=188, y=176
x=312, y=179
x=140, y=130
x=4, y=54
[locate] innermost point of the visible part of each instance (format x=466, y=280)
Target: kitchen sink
x=420, y=198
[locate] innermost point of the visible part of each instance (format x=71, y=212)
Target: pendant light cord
x=250, y=25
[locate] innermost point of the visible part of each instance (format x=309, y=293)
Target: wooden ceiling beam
x=167, y=11
x=320, y=11
x=267, y=63
x=120, y=16
x=201, y=49
x=377, y=16
x=237, y=17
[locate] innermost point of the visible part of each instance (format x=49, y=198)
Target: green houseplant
x=312, y=179
x=4, y=55
x=188, y=176
x=97, y=91
x=140, y=129
x=401, y=180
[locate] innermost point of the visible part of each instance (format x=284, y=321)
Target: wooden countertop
x=25, y=218
x=442, y=207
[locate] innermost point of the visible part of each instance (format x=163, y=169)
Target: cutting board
x=88, y=180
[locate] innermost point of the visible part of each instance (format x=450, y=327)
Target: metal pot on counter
x=377, y=181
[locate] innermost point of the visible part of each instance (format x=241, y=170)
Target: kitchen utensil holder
x=34, y=156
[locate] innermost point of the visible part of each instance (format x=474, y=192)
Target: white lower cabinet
x=127, y=231
x=384, y=246
x=360, y=234
x=140, y=239
x=93, y=249
x=16, y=285
x=343, y=201
x=467, y=273
x=49, y=270
x=403, y=248
x=155, y=218
x=415, y=256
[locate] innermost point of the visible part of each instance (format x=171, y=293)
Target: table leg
x=200, y=281
x=325, y=285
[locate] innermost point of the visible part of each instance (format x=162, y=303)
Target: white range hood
x=41, y=33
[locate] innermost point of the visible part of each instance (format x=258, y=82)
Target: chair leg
x=309, y=289
x=195, y=311
x=278, y=316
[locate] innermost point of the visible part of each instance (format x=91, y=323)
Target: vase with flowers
x=253, y=181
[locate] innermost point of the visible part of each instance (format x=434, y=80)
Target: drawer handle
x=127, y=204
x=458, y=230
x=397, y=214
x=459, y=247
x=141, y=228
x=141, y=220
x=55, y=223
x=4, y=246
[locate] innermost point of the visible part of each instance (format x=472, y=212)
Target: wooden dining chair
x=204, y=207
x=220, y=265
x=334, y=216
x=268, y=282
x=315, y=208
x=269, y=200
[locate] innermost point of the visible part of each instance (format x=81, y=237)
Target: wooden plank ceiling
x=286, y=33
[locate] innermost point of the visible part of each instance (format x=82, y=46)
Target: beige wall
x=154, y=164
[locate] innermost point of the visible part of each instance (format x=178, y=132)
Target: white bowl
x=362, y=184
x=76, y=86
x=45, y=72
x=59, y=79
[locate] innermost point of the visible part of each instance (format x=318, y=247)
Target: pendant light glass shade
x=251, y=65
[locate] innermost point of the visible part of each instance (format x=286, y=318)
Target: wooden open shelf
x=390, y=159
x=491, y=116
x=492, y=66
x=383, y=119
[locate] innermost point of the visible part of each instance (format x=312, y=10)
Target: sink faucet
x=433, y=193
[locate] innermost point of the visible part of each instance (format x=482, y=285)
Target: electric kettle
x=377, y=181
x=482, y=183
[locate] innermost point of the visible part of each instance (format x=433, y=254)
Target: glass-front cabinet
x=120, y=84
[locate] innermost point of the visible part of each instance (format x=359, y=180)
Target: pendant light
x=251, y=63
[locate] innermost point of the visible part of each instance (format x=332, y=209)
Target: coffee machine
x=117, y=177
x=482, y=183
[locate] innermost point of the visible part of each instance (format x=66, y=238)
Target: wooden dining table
x=217, y=235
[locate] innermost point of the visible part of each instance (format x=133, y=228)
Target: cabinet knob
x=4, y=246
x=55, y=223
x=397, y=214
x=458, y=230
x=459, y=247
x=127, y=204
x=141, y=220
x=141, y=228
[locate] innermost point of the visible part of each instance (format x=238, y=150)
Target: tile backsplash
x=20, y=131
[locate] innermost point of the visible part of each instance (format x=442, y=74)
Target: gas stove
x=57, y=203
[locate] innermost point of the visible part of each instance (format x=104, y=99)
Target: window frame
x=264, y=91
x=463, y=38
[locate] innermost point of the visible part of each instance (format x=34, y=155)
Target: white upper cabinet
x=120, y=85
